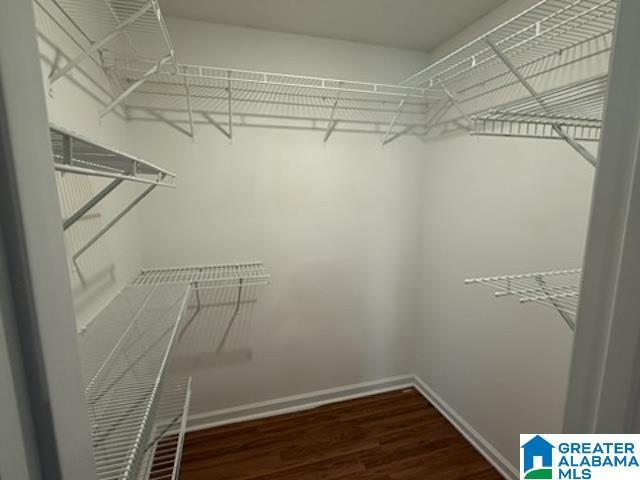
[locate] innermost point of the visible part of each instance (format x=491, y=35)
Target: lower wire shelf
x=125, y=353
x=137, y=412
x=204, y=277
x=559, y=289
x=164, y=451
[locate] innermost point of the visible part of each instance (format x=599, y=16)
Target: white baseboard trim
x=488, y=451
x=296, y=403
x=307, y=401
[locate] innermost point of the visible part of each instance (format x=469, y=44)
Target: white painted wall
x=361, y=242
x=246, y=48
x=74, y=103
x=496, y=206
x=491, y=207
x=336, y=225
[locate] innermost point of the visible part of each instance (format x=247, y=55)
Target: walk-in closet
x=299, y=240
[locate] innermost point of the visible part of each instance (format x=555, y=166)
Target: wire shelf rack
x=538, y=44
x=208, y=276
x=578, y=108
x=223, y=96
x=223, y=297
x=164, y=451
x=115, y=28
x=137, y=414
x=136, y=51
x=558, y=289
x=73, y=153
x=547, y=28
x=124, y=356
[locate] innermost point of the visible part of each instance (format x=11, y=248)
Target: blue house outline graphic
x=537, y=447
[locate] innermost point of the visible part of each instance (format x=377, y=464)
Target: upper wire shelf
x=207, y=276
x=558, y=289
x=73, y=153
x=486, y=76
x=224, y=96
x=124, y=356
x=215, y=76
x=577, y=107
x=130, y=39
x=115, y=28
x=548, y=28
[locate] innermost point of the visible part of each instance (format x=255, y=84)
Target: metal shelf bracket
x=588, y=156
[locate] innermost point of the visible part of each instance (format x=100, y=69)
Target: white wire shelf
x=138, y=416
x=547, y=28
x=164, y=451
x=224, y=96
x=136, y=51
x=77, y=155
x=558, y=289
x=112, y=29
x=124, y=355
x=214, y=76
x=578, y=108
x=73, y=153
x=538, y=44
x=204, y=277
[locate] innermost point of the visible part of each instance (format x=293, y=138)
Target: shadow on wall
x=94, y=270
x=57, y=47
x=216, y=330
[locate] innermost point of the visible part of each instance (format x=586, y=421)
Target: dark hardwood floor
x=392, y=436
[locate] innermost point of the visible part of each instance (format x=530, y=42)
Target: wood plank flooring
x=392, y=436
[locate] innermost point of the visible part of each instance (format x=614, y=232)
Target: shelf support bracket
x=116, y=101
x=399, y=134
x=171, y=123
x=67, y=149
x=332, y=123
x=223, y=340
x=213, y=122
x=439, y=113
x=95, y=46
x=565, y=316
x=393, y=121
x=187, y=89
x=115, y=220
x=91, y=203
x=230, y=105
x=588, y=156
x=456, y=103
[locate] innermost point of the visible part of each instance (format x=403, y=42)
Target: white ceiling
x=412, y=24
